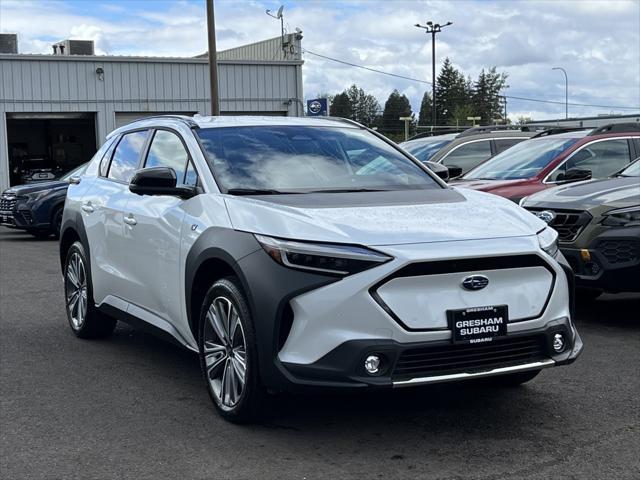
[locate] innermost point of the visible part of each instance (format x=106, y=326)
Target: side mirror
x=454, y=172
x=438, y=169
x=575, y=175
x=159, y=181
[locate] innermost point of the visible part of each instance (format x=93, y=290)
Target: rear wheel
x=513, y=379
x=228, y=354
x=84, y=319
x=56, y=221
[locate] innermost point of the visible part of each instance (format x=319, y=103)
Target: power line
x=512, y=97
x=366, y=68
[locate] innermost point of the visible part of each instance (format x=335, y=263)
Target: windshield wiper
x=350, y=190
x=257, y=191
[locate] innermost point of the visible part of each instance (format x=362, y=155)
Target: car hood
x=383, y=218
x=614, y=192
x=35, y=187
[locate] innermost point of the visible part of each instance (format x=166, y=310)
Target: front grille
x=567, y=223
x=450, y=359
x=7, y=203
x=619, y=251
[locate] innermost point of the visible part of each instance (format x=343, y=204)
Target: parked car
x=556, y=157
x=598, y=223
x=294, y=253
x=464, y=151
x=36, y=207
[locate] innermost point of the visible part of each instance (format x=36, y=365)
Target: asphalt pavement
x=136, y=407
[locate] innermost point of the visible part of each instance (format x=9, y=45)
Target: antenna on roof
x=279, y=16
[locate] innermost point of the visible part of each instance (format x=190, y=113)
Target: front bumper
x=20, y=218
x=436, y=362
x=611, y=261
x=314, y=330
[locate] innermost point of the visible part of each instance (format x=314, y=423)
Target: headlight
x=321, y=257
x=548, y=240
x=34, y=197
x=622, y=217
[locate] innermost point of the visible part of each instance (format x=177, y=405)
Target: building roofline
x=124, y=58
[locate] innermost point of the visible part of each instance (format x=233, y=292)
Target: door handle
x=130, y=220
x=87, y=207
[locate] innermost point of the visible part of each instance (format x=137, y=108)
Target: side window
x=503, y=143
x=106, y=158
x=167, y=150
x=191, y=177
x=126, y=156
x=636, y=142
x=601, y=158
x=469, y=156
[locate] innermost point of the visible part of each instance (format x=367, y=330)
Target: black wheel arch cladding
x=268, y=287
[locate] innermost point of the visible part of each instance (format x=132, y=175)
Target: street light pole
x=433, y=28
x=213, y=59
x=566, y=91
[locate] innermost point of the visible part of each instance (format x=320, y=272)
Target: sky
x=596, y=41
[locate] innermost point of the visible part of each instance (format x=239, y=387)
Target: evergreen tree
x=341, y=106
x=451, y=92
x=425, y=110
x=486, y=96
x=396, y=106
x=365, y=107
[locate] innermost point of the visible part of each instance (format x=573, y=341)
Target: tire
x=84, y=319
x=229, y=361
x=588, y=295
x=56, y=221
x=514, y=379
x=40, y=233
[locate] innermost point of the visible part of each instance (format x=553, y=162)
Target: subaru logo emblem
x=315, y=106
x=475, y=282
x=546, y=216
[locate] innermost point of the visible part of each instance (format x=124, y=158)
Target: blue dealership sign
x=318, y=107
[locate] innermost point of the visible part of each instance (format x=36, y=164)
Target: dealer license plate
x=478, y=324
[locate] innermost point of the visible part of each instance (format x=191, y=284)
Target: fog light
x=558, y=342
x=372, y=364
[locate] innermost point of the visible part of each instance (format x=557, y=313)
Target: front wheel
x=84, y=319
x=56, y=222
x=228, y=354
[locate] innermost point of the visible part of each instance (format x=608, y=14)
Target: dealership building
x=56, y=110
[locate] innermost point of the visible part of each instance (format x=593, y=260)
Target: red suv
x=556, y=157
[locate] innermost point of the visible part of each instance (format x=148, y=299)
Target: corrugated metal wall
x=45, y=83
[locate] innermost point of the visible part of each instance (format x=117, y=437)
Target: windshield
x=632, y=170
x=524, y=160
x=74, y=173
x=423, y=150
x=301, y=159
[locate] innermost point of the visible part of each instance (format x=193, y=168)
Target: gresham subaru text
x=294, y=253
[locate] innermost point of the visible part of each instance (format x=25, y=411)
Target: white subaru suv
x=294, y=253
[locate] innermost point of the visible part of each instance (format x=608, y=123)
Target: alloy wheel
x=225, y=352
x=76, y=290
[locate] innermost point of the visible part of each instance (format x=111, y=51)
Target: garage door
x=124, y=118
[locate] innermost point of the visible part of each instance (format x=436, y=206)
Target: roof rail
x=435, y=133
x=558, y=130
x=184, y=118
x=496, y=128
x=617, y=128
x=341, y=119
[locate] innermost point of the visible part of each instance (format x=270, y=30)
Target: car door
x=152, y=234
x=103, y=209
x=602, y=158
x=468, y=155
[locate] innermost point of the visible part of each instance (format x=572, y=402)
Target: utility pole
x=566, y=90
x=433, y=28
x=213, y=59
